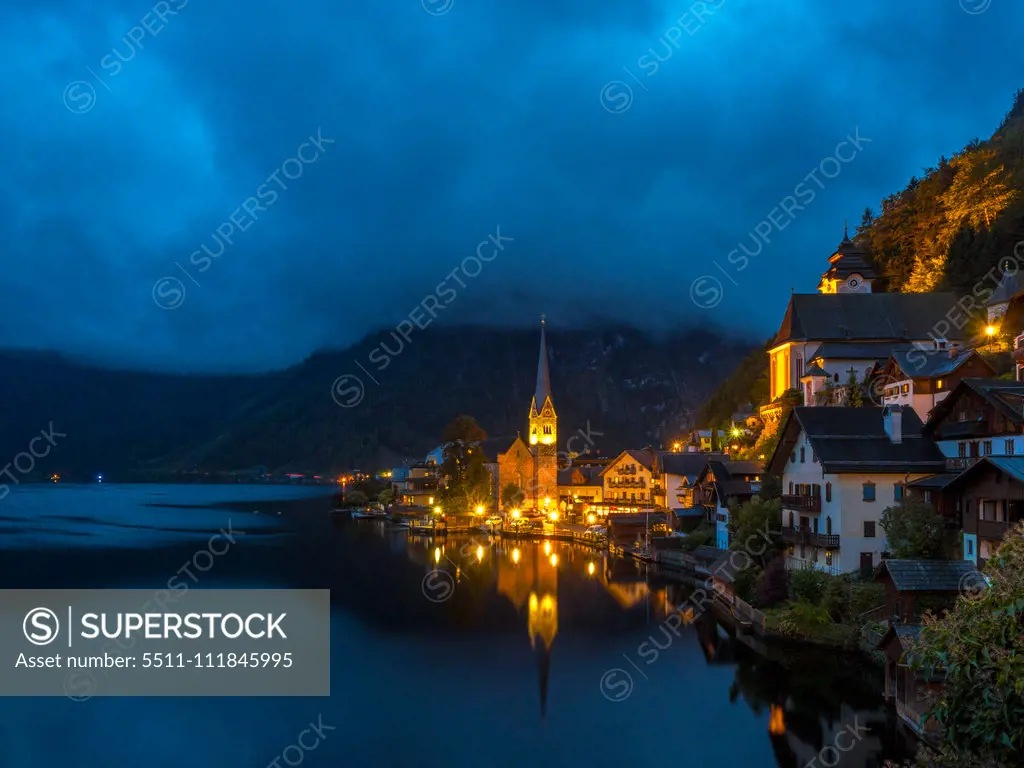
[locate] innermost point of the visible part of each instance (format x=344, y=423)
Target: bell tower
x=543, y=432
x=850, y=269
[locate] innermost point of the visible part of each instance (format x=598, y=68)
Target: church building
x=848, y=328
x=532, y=467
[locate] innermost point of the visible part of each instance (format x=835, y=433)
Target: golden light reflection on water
x=518, y=568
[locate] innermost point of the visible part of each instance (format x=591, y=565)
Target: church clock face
x=854, y=282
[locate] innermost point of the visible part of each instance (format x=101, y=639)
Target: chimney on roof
x=892, y=422
x=954, y=351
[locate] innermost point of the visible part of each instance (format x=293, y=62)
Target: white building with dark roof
x=840, y=468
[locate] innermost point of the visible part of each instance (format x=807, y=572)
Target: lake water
x=477, y=653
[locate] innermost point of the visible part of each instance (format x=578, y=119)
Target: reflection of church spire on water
x=543, y=623
x=530, y=576
x=543, y=619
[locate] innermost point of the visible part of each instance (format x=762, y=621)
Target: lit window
x=938, y=384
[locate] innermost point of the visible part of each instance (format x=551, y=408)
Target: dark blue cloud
x=445, y=127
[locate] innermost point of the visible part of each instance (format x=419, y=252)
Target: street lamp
x=553, y=516
x=437, y=510
x=990, y=330
x=479, y=509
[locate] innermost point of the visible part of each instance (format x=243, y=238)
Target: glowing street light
x=990, y=330
x=554, y=517
x=437, y=510
x=591, y=518
x=479, y=509
x=516, y=513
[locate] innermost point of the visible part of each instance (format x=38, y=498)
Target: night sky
x=624, y=182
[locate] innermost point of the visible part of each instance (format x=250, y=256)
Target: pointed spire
x=846, y=234
x=544, y=672
x=543, y=390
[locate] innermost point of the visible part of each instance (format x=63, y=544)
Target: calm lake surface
x=479, y=653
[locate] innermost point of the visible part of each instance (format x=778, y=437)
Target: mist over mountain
x=623, y=386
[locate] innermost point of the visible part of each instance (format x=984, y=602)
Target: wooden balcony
x=986, y=529
x=957, y=429
x=960, y=463
x=621, y=482
x=802, y=503
x=798, y=535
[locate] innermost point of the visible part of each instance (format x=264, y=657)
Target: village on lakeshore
x=889, y=414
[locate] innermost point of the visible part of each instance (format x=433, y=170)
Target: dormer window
x=941, y=343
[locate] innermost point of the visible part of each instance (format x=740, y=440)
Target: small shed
x=913, y=587
x=909, y=690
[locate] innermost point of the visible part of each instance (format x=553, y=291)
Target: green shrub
x=772, y=585
x=836, y=599
x=745, y=583
x=866, y=596
x=808, y=584
x=701, y=536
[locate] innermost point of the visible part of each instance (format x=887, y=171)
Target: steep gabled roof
x=1009, y=287
x=729, y=476
x=866, y=317
x=906, y=634
x=854, y=440
x=493, y=447
x=1006, y=396
x=858, y=350
x=591, y=476
x=1012, y=466
x=930, y=575
x=648, y=460
x=689, y=464
x=927, y=364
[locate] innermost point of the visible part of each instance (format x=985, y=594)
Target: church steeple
x=542, y=393
x=543, y=430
